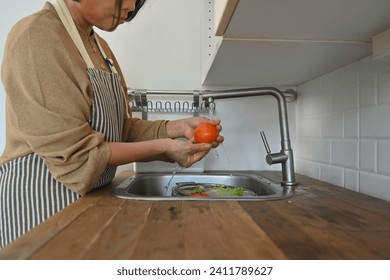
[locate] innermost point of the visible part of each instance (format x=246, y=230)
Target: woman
x=68, y=120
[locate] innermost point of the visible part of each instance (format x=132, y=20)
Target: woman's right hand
x=186, y=153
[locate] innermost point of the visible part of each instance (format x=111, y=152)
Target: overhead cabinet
x=286, y=43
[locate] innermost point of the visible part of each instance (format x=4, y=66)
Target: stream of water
x=166, y=188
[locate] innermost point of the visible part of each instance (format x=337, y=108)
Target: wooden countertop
x=321, y=221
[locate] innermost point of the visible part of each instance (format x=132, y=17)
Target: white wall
x=160, y=49
x=10, y=13
x=343, y=128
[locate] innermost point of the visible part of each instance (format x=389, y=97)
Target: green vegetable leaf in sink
x=229, y=191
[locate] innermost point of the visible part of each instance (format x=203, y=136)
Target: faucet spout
x=285, y=157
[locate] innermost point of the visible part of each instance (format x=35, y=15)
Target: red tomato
x=206, y=133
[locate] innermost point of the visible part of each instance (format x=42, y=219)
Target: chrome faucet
x=285, y=156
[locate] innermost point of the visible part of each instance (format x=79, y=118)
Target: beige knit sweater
x=49, y=99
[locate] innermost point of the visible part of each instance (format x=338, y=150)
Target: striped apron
x=28, y=192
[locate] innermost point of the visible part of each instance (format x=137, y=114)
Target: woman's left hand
x=186, y=127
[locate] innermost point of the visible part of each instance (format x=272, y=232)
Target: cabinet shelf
x=286, y=43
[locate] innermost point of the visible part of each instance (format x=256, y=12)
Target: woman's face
x=102, y=13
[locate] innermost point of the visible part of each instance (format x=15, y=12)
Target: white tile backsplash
x=351, y=73
x=343, y=128
x=310, y=169
x=309, y=126
x=306, y=103
x=332, y=125
x=321, y=150
x=384, y=157
x=367, y=87
x=303, y=148
x=368, y=155
x=345, y=97
x=351, y=125
x=321, y=102
x=375, y=185
x=351, y=179
x=332, y=174
x=369, y=67
x=375, y=121
x=345, y=153
x=384, y=88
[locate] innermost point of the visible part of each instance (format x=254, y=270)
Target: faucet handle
x=267, y=149
x=275, y=157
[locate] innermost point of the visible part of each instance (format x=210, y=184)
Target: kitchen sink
x=162, y=186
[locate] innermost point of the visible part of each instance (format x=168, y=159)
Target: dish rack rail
x=160, y=101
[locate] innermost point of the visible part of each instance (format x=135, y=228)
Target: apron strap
x=109, y=61
x=67, y=20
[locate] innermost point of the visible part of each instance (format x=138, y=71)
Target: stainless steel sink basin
x=157, y=186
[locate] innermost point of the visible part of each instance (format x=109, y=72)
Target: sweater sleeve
x=49, y=100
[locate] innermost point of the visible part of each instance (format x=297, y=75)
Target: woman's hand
x=186, y=127
x=186, y=153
